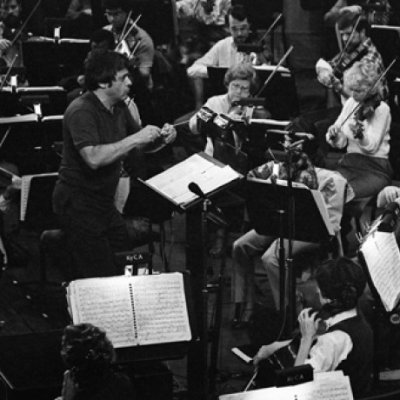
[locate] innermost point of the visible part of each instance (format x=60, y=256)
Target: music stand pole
x=289, y=262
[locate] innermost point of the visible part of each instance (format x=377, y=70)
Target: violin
x=364, y=112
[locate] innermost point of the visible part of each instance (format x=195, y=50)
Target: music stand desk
x=265, y=199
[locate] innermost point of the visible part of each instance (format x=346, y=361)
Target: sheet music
x=269, y=121
x=25, y=188
x=34, y=89
x=106, y=303
x=382, y=257
x=319, y=200
x=136, y=310
x=173, y=183
x=160, y=309
x=335, y=388
x=271, y=68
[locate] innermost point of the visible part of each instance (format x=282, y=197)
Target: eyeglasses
x=238, y=87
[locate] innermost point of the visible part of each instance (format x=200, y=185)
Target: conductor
x=98, y=133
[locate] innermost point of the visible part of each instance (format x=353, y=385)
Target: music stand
x=295, y=213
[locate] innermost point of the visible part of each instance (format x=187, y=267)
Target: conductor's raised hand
x=150, y=134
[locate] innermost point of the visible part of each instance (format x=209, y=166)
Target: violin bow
x=8, y=72
x=281, y=61
x=272, y=26
x=353, y=31
x=122, y=34
x=130, y=28
x=18, y=34
x=370, y=90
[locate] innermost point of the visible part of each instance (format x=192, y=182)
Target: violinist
x=137, y=41
x=240, y=81
x=363, y=128
x=9, y=46
x=347, y=342
x=354, y=30
x=225, y=52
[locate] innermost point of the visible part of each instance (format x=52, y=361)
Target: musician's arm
x=329, y=351
x=199, y=68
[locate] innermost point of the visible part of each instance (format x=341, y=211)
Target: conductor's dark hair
x=102, y=66
x=87, y=352
x=349, y=19
x=115, y=4
x=238, y=12
x=342, y=281
x=103, y=35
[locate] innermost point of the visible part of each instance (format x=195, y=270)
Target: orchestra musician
x=363, y=128
x=353, y=29
x=225, y=52
x=347, y=342
x=98, y=132
x=137, y=41
x=9, y=47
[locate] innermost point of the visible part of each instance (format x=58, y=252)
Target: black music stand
x=296, y=213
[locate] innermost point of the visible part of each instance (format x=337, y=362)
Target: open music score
x=325, y=386
x=208, y=173
x=134, y=310
x=382, y=259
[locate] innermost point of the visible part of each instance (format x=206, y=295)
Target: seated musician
x=117, y=12
x=225, y=52
x=88, y=354
x=9, y=47
x=363, y=128
x=346, y=343
x=240, y=81
x=357, y=46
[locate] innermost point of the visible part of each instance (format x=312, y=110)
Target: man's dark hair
x=124, y=5
x=102, y=35
x=102, y=66
x=238, y=12
x=349, y=19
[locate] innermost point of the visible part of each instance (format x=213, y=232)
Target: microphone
x=195, y=188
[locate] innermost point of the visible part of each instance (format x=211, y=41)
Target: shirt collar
x=341, y=317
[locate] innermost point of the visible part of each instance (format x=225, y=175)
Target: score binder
x=209, y=174
x=133, y=310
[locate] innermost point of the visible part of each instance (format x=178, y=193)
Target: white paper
x=134, y=310
x=382, y=257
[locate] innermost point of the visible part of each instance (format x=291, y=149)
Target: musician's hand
x=308, y=323
x=333, y=133
x=4, y=44
x=388, y=195
x=168, y=133
x=325, y=77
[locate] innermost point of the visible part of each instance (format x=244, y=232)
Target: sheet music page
x=160, y=309
x=106, y=303
x=338, y=388
x=173, y=183
x=122, y=192
x=382, y=257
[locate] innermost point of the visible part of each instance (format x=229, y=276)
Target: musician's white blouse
x=333, y=347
